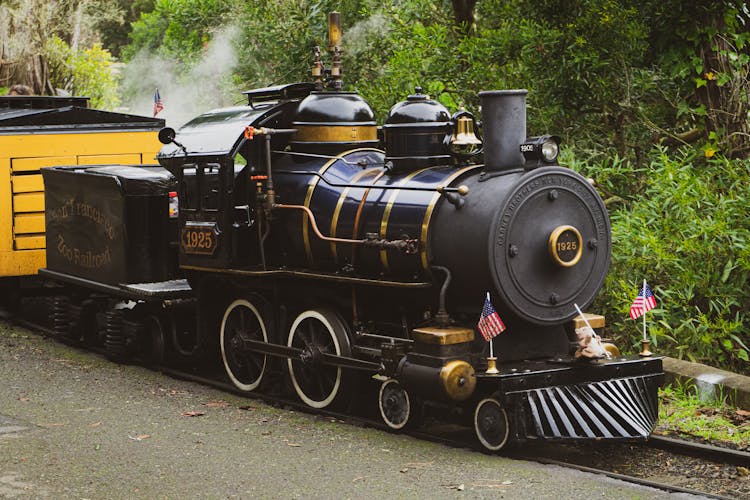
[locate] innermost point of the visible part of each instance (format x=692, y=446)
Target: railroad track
x=459, y=437
x=699, y=450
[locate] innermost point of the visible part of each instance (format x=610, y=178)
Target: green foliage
x=85, y=72
x=115, y=32
x=685, y=410
x=682, y=225
x=178, y=28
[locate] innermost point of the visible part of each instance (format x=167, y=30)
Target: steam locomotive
x=315, y=251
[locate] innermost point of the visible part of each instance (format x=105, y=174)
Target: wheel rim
x=242, y=321
x=184, y=340
x=394, y=404
x=491, y=424
x=315, y=383
x=157, y=342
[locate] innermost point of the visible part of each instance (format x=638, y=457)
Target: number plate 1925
x=199, y=238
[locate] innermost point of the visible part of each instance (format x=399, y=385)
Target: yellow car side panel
x=22, y=239
x=27, y=183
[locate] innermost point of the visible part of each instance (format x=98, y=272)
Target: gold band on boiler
x=428, y=215
x=555, y=246
x=308, y=198
x=335, y=133
x=387, y=215
x=340, y=203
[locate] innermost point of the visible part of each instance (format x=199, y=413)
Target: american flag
x=645, y=301
x=490, y=325
x=158, y=106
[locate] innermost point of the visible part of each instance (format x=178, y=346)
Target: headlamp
x=541, y=150
x=550, y=150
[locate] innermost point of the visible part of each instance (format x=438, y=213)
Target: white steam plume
x=205, y=86
x=358, y=38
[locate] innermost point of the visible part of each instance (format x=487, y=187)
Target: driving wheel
x=317, y=332
x=241, y=322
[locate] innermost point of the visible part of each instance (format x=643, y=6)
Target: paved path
x=74, y=425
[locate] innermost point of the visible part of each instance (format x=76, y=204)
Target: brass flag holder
x=492, y=365
x=645, y=351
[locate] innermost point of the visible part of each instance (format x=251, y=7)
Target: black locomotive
x=309, y=245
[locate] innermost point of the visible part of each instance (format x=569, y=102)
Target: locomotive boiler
x=323, y=253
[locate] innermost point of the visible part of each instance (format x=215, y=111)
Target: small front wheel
x=491, y=424
x=394, y=404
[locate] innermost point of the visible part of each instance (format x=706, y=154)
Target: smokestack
x=503, y=128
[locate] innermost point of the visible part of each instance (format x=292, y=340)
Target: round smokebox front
x=551, y=246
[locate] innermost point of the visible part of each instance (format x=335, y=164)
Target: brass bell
x=463, y=139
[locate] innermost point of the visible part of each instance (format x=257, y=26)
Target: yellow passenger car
x=40, y=131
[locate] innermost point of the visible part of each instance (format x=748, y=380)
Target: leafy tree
x=33, y=28
x=703, y=48
x=114, y=32
x=685, y=230
x=85, y=72
x=179, y=28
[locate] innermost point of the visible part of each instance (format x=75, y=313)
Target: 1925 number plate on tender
x=199, y=238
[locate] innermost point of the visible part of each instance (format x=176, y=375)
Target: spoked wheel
x=394, y=404
x=184, y=334
x=155, y=344
x=242, y=321
x=491, y=424
x=317, y=332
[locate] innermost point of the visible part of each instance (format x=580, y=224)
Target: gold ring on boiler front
x=565, y=246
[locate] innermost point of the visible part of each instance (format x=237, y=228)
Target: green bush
x=86, y=72
x=681, y=223
x=179, y=28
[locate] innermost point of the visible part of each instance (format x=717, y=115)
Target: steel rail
x=622, y=477
x=699, y=450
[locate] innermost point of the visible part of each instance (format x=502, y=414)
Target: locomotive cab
x=218, y=167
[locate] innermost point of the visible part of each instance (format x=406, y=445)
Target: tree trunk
x=463, y=12
x=40, y=76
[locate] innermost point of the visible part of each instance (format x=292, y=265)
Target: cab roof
x=25, y=114
x=213, y=133
x=218, y=132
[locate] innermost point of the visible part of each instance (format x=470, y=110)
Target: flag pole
x=644, y=309
x=583, y=317
x=645, y=343
x=589, y=325
x=492, y=360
